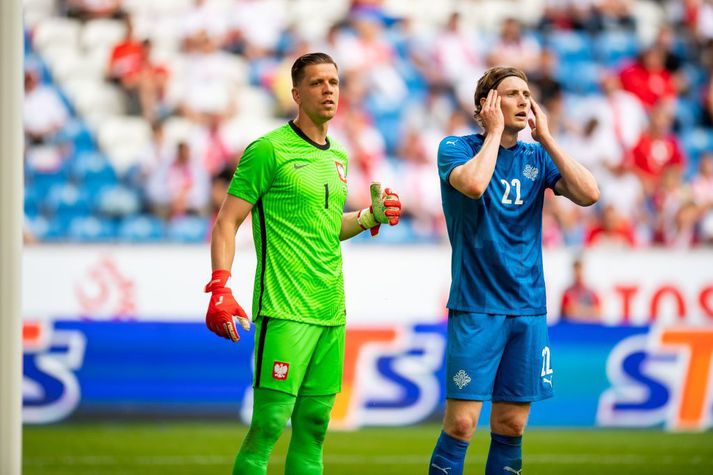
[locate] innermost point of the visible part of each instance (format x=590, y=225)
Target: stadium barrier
x=117, y=331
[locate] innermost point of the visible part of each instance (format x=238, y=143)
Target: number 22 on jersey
x=515, y=183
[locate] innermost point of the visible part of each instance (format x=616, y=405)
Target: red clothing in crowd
x=581, y=295
x=649, y=86
x=651, y=155
x=126, y=59
x=621, y=236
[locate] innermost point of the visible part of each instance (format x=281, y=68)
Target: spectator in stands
x=213, y=149
x=657, y=148
x=255, y=27
x=367, y=154
x=420, y=185
x=457, y=53
x=611, y=230
x=92, y=9
x=566, y=15
x=619, y=113
x=702, y=183
x=580, y=303
x=614, y=14
x=207, y=85
x=43, y=112
x=515, y=49
x=672, y=220
x=126, y=56
x=544, y=79
x=203, y=18
x=179, y=186
x=648, y=79
x=157, y=152
x=130, y=65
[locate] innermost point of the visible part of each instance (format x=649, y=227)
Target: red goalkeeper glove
x=223, y=309
x=385, y=208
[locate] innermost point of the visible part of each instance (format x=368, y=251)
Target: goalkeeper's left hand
x=385, y=208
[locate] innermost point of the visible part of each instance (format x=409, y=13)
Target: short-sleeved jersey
x=496, y=240
x=298, y=189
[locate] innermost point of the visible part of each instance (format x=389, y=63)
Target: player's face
x=515, y=102
x=317, y=94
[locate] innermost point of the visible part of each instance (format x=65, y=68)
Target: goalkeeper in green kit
x=294, y=181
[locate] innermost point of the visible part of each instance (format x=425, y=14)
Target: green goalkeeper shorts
x=298, y=358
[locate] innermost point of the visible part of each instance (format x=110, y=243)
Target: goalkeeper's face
x=317, y=93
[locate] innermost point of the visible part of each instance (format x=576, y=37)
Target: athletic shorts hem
x=539, y=397
x=471, y=397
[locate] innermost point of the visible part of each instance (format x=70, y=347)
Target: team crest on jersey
x=341, y=172
x=530, y=172
x=280, y=370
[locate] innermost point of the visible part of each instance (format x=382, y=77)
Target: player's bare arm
x=222, y=243
x=473, y=177
x=577, y=183
x=223, y=308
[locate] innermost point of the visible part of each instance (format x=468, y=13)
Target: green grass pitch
x=208, y=448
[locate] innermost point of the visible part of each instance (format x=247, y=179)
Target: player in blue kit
x=492, y=189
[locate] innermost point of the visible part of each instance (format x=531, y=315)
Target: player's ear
x=296, y=95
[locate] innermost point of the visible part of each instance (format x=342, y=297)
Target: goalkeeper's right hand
x=223, y=309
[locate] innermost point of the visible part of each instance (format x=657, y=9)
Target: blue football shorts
x=498, y=357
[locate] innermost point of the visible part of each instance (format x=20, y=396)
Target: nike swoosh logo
x=298, y=166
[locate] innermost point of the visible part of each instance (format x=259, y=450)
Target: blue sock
x=504, y=456
x=448, y=456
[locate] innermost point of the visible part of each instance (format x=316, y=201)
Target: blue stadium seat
x=688, y=113
x=67, y=200
x=612, y=48
x=571, y=46
x=695, y=142
x=142, y=228
x=580, y=77
x=93, y=171
x=91, y=228
x=188, y=229
x=45, y=229
x=118, y=201
x=32, y=202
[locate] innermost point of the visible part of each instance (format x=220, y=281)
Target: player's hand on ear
x=491, y=114
x=539, y=126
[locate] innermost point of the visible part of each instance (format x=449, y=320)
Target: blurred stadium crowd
x=136, y=111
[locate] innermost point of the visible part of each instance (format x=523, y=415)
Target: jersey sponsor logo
x=300, y=165
x=280, y=370
x=530, y=172
x=341, y=172
x=462, y=379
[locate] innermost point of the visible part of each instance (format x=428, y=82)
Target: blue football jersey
x=496, y=261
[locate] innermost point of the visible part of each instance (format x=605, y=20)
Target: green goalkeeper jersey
x=298, y=189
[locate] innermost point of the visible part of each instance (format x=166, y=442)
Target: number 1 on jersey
x=326, y=196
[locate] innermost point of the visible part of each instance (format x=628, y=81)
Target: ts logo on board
x=280, y=370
